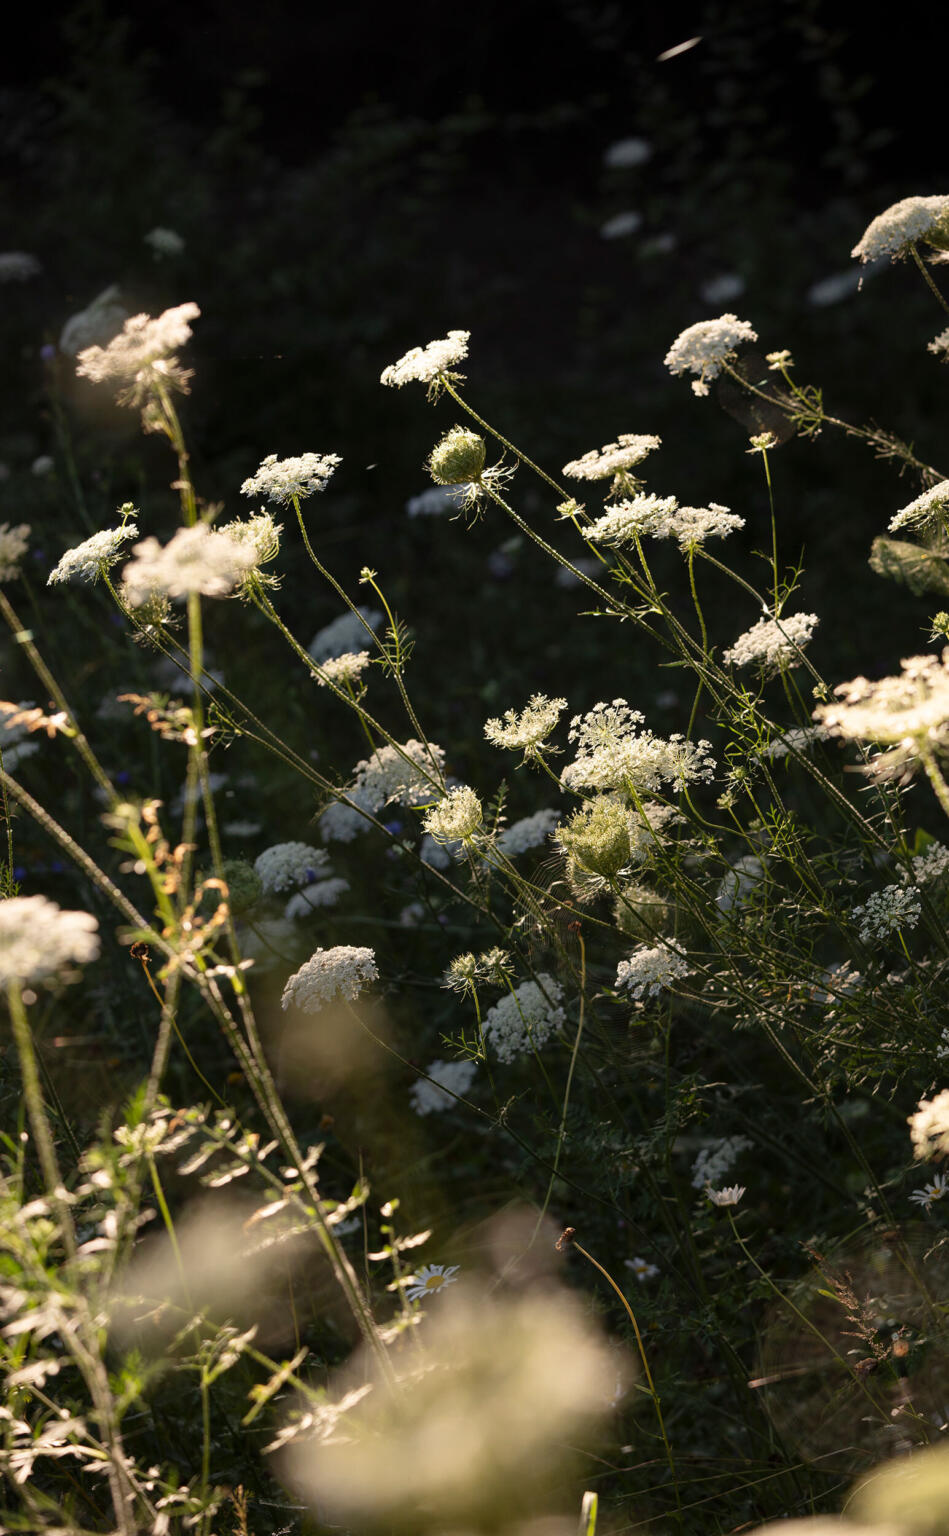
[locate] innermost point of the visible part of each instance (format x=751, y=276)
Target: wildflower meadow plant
x=534, y=998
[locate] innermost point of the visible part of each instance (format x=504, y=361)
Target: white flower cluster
x=141, y=357
x=529, y=832
x=650, y=968
x=661, y=517
x=647, y=826
x=426, y=363
x=328, y=974
x=913, y=218
x=259, y=533
x=772, y=644
x=92, y=556
x=629, y=450
x=887, y=911
x=13, y=546
x=524, y=1019
x=18, y=267
x=740, y=884
x=527, y=731
x=629, y=520
x=611, y=753
x=929, y=1127
x=927, y=508
x=408, y=775
x=931, y=865
x=197, y=559
x=322, y=893
x=456, y=817
x=704, y=347
x=893, y=709
x=437, y=855
x=344, y=669
x=39, y=940
x=344, y=634
x=797, y=739
x=288, y=864
x=718, y=1158
x=287, y=480
x=96, y=324
x=940, y=344
x=427, y=1098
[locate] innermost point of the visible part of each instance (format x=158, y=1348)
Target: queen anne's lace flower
x=887, y=911
x=939, y=346
x=97, y=324
x=931, y=865
x=328, y=974
x=407, y=774
x=929, y=1127
x=427, y=1098
x=797, y=739
x=90, y=558
x=893, y=710
x=718, y=1158
x=613, y=459
x=287, y=480
x=38, y=940
x=650, y=968
x=913, y=218
x=927, y=508
x=772, y=644
x=288, y=864
x=343, y=670
x=455, y=818
x=426, y=363
x=197, y=559
x=529, y=832
x=344, y=634
x=661, y=517
x=612, y=753
x=704, y=347
x=13, y=546
x=141, y=357
x=528, y=731
x=524, y=1019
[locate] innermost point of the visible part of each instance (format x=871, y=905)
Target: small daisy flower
x=641, y=1269
x=930, y=1192
x=432, y=1277
x=728, y=1196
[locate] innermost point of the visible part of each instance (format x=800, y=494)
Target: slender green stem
x=928, y=277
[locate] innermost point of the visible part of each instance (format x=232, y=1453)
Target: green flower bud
x=244, y=888
x=458, y=459
x=597, y=837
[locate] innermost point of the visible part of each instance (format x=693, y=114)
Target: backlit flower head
x=197, y=559
x=931, y=507
x=13, y=546
x=287, y=480
x=887, y=912
x=773, y=644
x=455, y=818
x=343, y=670
x=38, y=940
x=329, y=974
x=939, y=346
x=913, y=707
x=728, y=1196
x=530, y=832
x=929, y=1127
x=527, y=732
x=93, y=556
x=614, y=753
x=427, y=364
x=913, y=218
x=614, y=461
x=703, y=348
x=141, y=358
